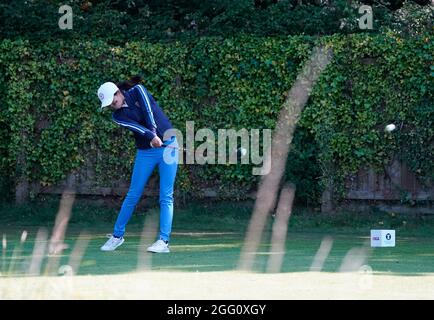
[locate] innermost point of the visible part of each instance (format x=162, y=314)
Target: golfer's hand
x=156, y=142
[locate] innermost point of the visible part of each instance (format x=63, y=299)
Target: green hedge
x=374, y=81
x=50, y=111
x=171, y=20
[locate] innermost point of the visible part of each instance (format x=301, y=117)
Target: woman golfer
x=135, y=109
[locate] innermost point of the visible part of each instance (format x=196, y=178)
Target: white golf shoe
x=112, y=243
x=159, y=246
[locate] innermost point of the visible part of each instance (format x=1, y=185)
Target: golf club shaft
x=237, y=151
x=172, y=147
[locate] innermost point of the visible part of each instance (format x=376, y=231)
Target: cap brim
x=106, y=102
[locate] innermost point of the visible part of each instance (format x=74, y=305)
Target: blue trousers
x=144, y=164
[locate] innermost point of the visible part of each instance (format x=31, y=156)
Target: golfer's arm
x=145, y=103
x=133, y=126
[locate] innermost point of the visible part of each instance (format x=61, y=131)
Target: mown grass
x=209, y=237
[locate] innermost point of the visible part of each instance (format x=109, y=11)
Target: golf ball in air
x=390, y=127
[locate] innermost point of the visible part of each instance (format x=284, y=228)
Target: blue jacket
x=142, y=116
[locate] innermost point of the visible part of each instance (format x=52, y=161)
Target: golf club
x=240, y=152
x=173, y=147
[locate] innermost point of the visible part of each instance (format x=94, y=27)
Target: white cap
x=106, y=93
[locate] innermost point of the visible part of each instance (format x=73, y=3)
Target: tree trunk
x=21, y=179
x=327, y=199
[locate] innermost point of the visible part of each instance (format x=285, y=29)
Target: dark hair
x=128, y=84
